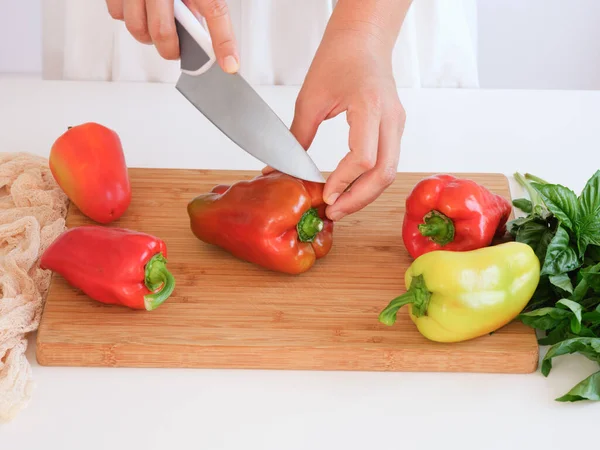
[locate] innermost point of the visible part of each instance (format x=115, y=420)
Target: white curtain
x=437, y=46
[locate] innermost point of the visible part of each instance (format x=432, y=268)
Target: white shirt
x=436, y=47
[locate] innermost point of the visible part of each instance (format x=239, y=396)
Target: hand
x=352, y=72
x=153, y=22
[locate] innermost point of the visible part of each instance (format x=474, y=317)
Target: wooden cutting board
x=227, y=313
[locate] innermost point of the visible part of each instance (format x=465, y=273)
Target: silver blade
x=231, y=104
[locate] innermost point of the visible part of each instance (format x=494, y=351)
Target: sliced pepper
x=275, y=221
x=456, y=296
x=444, y=212
x=112, y=265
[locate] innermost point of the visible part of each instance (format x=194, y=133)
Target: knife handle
x=195, y=45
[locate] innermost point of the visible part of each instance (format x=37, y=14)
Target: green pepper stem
x=438, y=227
x=417, y=295
x=158, y=276
x=309, y=226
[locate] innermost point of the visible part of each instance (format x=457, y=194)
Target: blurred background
x=519, y=44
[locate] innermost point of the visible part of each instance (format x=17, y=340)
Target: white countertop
x=554, y=135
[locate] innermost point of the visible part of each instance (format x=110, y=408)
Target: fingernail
x=335, y=215
x=332, y=198
x=230, y=64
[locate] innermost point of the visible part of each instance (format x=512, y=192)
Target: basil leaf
x=576, y=310
x=561, y=201
x=538, y=236
x=563, y=282
x=588, y=389
x=558, y=334
x=580, y=290
x=544, y=318
x=588, y=226
x=588, y=347
x=591, y=275
x=523, y=204
x=560, y=256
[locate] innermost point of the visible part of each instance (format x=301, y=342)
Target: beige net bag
x=32, y=214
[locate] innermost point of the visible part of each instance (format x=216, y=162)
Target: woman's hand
x=153, y=22
x=352, y=72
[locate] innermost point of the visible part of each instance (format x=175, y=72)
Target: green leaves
x=544, y=318
x=561, y=201
x=588, y=347
x=566, y=311
x=578, y=214
x=564, y=231
x=588, y=389
x=576, y=309
x=561, y=257
x=563, y=282
x=537, y=235
x=588, y=226
x=591, y=275
x=523, y=204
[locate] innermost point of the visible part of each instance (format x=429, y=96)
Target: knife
x=230, y=103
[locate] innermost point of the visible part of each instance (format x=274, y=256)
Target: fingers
x=161, y=25
x=153, y=22
x=218, y=20
x=115, y=9
x=363, y=139
x=372, y=183
x=134, y=13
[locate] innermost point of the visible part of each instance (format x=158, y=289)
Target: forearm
x=380, y=19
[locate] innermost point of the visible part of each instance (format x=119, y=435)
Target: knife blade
x=233, y=106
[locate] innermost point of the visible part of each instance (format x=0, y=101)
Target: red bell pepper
x=112, y=265
x=275, y=221
x=445, y=212
x=88, y=163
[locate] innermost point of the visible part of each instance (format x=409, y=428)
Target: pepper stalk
x=417, y=295
x=157, y=276
x=438, y=227
x=309, y=225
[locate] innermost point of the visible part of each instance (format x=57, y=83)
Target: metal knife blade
x=236, y=109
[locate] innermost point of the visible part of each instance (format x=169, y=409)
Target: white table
x=552, y=134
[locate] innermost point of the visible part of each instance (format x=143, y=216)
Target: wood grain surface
x=227, y=313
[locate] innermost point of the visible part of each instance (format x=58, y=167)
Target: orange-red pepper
x=88, y=163
x=275, y=221
x=444, y=212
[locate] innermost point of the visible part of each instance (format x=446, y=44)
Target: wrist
x=376, y=21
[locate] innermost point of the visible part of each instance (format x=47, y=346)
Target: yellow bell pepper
x=456, y=296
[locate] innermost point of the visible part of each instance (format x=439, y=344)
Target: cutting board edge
x=324, y=358
x=526, y=363
x=257, y=172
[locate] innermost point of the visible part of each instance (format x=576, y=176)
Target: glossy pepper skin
x=88, y=163
x=457, y=296
x=112, y=265
x=275, y=221
x=444, y=212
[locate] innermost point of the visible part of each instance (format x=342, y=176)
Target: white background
x=523, y=44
